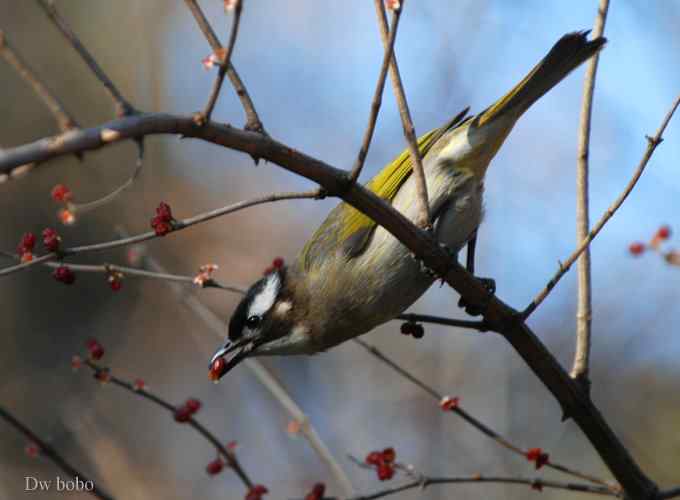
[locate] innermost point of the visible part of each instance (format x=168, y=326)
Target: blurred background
x=311, y=68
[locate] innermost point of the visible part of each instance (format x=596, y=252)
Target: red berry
x=32, y=450
x=215, y=467
x=97, y=352
x=278, y=262
x=448, y=403
x=217, y=369
x=193, y=405
x=103, y=376
x=61, y=193
x=182, y=414
x=27, y=243
x=256, y=492
x=160, y=226
x=317, y=492
x=636, y=248
x=388, y=455
x=64, y=275
x=116, y=284
x=163, y=212
x=664, y=232
x=51, y=239
x=374, y=458
x=537, y=456
x=385, y=472
x=138, y=384
x=76, y=362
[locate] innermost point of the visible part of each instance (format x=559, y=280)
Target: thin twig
x=474, y=422
x=123, y=108
x=224, y=64
x=480, y=326
x=253, y=122
x=264, y=376
x=581, y=363
x=407, y=123
x=65, y=121
x=142, y=392
x=671, y=493
x=536, y=484
x=377, y=101
x=652, y=143
x=178, y=225
x=52, y=454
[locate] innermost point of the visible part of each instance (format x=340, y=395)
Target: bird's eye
x=253, y=321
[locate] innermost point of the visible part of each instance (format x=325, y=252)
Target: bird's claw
x=477, y=310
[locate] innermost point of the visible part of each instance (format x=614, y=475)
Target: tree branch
x=652, y=143
x=64, y=120
x=51, y=453
x=480, y=326
x=579, y=369
x=253, y=122
x=377, y=101
x=123, y=108
x=474, y=422
x=498, y=315
x=407, y=123
x=177, y=226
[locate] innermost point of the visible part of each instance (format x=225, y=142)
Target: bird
x=353, y=275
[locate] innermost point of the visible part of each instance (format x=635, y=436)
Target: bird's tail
x=568, y=53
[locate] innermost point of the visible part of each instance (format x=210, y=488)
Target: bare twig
x=501, y=318
x=474, y=422
x=224, y=63
x=123, y=108
x=52, y=454
x=216, y=325
x=579, y=369
x=104, y=374
x=407, y=122
x=377, y=101
x=536, y=484
x=671, y=493
x=253, y=122
x=480, y=326
x=652, y=143
x=178, y=225
x=64, y=120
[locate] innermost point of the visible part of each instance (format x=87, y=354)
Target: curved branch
x=500, y=317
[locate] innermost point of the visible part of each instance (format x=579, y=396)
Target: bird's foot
x=477, y=310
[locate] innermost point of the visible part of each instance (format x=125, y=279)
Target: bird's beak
x=228, y=356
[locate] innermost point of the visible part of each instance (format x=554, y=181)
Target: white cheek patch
x=283, y=307
x=265, y=299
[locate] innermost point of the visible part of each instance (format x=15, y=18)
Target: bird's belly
x=388, y=270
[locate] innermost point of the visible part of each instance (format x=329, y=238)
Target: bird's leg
x=488, y=283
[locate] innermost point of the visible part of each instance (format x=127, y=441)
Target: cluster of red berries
x=317, y=492
x=383, y=461
x=95, y=349
x=184, y=412
x=277, y=263
x=414, y=329
x=163, y=222
x=662, y=234
x=25, y=248
x=256, y=492
x=537, y=456
x=62, y=194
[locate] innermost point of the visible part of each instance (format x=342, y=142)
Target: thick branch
x=122, y=106
x=51, y=453
x=500, y=317
x=64, y=120
x=406, y=121
x=579, y=369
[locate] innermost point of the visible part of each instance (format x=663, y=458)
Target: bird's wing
x=348, y=229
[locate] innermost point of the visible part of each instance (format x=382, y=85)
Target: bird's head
x=268, y=320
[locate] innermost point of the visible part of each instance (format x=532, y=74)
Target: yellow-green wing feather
x=347, y=228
